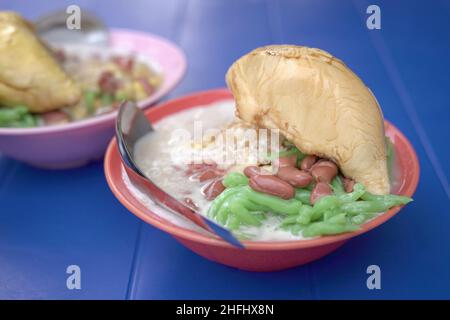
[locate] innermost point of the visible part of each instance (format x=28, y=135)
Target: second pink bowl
x=77, y=143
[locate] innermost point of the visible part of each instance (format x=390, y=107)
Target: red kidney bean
x=290, y=161
x=308, y=162
x=208, y=174
x=198, y=167
x=324, y=162
x=60, y=55
x=213, y=189
x=293, y=176
x=108, y=82
x=55, y=117
x=125, y=63
x=324, y=171
x=148, y=88
x=320, y=189
x=348, y=184
x=272, y=185
x=251, y=171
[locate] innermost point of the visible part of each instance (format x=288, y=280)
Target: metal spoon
x=131, y=125
x=52, y=28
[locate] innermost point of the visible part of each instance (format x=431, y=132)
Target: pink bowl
x=77, y=143
x=257, y=256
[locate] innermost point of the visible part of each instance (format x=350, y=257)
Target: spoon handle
x=168, y=202
x=131, y=125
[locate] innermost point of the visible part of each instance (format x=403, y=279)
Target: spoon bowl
x=53, y=28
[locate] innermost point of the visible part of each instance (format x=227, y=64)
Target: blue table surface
x=52, y=219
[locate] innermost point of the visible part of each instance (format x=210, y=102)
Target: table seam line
x=134, y=264
x=8, y=175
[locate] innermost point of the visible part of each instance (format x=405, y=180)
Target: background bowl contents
x=105, y=81
x=66, y=143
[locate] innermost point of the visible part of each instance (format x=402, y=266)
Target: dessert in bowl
x=301, y=194
x=58, y=103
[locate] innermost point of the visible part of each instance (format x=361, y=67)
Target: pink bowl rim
x=112, y=157
x=110, y=116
